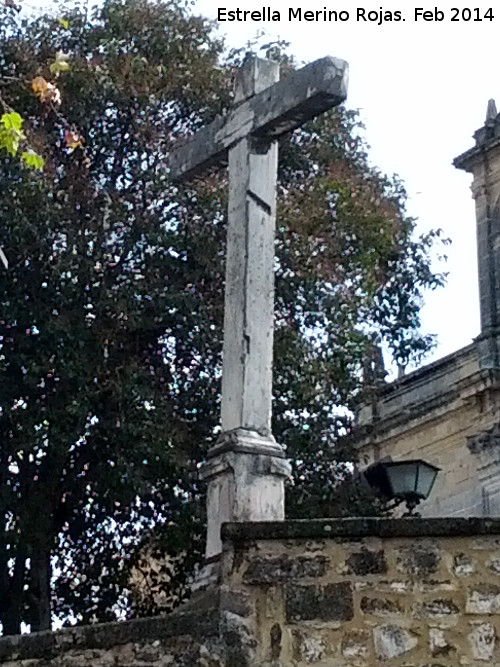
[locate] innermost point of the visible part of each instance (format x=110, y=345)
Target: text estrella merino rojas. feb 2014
x=325, y=15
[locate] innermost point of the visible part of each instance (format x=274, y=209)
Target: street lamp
x=403, y=481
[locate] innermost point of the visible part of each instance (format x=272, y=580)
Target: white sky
x=422, y=88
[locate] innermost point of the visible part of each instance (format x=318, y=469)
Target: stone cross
x=246, y=468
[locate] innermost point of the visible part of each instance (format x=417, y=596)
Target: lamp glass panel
x=402, y=478
x=426, y=477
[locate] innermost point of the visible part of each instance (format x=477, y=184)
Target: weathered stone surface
x=246, y=469
x=483, y=599
x=249, y=467
x=394, y=586
x=200, y=634
x=494, y=565
x=484, y=440
x=433, y=585
x=237, y=602
x=184, y=655
x=149, y=652
x=380, y=606
x=355, y=644
x=462, y=565
x=439, y=645
x=482, y=639
x=243, y=482
x=238, y=640
x=360, y=527
x=418, y=559
x=332, y=602
x=367, y=562
x=308, y=92
x=392, y=641
x=308, y=647
x=483, y=543
x=438, y=608
x=274, y=569
x=110, y=636
x=274, y=601
x=275, y=641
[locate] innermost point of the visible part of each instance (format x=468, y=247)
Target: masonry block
x=332, y=602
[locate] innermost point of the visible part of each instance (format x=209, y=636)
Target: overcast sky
x=422, y=88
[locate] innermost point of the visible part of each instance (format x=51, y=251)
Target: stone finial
x=491, y=111
x=373, y=364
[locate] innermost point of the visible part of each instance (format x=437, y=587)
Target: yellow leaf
x=73, y=139
x=64, y=23
x=39, y=85
x=45, y=91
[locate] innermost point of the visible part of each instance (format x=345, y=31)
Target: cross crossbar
x=282, y=107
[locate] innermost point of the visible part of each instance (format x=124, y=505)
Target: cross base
x=245, y=472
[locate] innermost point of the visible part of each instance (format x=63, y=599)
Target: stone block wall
x=340, y=593
x=363, y=593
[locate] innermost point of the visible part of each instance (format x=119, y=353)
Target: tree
x=111, y=309
x=350, y=277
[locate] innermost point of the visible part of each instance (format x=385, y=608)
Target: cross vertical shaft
x=249, y=299
x=246, y=468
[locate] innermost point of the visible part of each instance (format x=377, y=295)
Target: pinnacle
x=491, y=111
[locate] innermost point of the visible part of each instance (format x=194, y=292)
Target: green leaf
x=59, y=66
x=12, y=121
x=9, y=141
x=63, y=22
x=11, y=133
x=32, y=159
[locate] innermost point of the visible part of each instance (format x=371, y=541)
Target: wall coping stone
x=239, y=533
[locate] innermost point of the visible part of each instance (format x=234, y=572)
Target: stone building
x=447, y=412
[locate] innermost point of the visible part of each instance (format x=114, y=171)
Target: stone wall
x=444, y=413
x=163, y=641
x=342, y=593
x=360, y=593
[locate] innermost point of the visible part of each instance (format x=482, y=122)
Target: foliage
x=111, y=309
x=99, y=419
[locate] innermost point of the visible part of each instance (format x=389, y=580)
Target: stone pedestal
x=245, y=472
